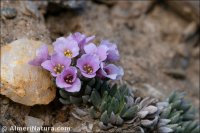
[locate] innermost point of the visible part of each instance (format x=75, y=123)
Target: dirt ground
x=156, y=54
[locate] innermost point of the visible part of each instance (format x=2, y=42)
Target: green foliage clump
x=115, y=105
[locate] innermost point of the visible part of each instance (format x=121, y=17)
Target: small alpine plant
x=82, y=70
x=76, y=58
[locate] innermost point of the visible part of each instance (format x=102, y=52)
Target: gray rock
x=9, y=12
x=33, y=122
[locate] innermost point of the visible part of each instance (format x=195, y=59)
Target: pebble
x=76, y=116
x=176, y=73
x=106, y=2
x=33, y=122
x=9, y=12
x=5, y=101
x=74, y=4
x=31, y=9
x=80, y=112
x=190, y=30
x=23, y=83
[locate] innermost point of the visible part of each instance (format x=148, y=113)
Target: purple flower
x=68, y=80
x=66, y=46
x=57, y=64
x=110, y=71
x=113, y=53
x=88, y=65
x=82, y=39
x=100, y=51
x=42, y=54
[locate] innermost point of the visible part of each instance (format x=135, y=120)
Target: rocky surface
x=22, y=19
x=20, y=81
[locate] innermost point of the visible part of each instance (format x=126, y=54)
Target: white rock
x=21, y=82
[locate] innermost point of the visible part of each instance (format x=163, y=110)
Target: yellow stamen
x=58, y=68
x=68, y=53
x=68, y=79
x=88, y=68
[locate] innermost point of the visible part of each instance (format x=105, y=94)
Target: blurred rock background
x=158, y=42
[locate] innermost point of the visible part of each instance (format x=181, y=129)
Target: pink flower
x=82, y=39
x=110, y=71
x=42, y=54
x=88, y=65
x=68, y=80
x=57, y=64
x=66, y=46
x=112, y=53
x=100, y=51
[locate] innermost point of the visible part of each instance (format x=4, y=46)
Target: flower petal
x=90, y=48
x=78, y=36
x=60, y=82
x=72, y=71
x=113, y=53
x=88, y=59
x=94, y=62
x=36, y=62
x=112, y=71
x=120, y=73
x=60, y=59
x=102, y=52
x=89, y=39
x=76, y=86
x=59, y=44
x=82, y=39
x=47, y=65
x=88, y=75
x=63, y=44
x=42, y=54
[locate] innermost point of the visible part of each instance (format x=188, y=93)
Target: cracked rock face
x=21, y=82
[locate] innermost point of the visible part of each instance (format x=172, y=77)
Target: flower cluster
x=76, y=57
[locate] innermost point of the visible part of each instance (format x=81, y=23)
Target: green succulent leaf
x=85, y=98
x=95, y=98
x=104, y=117
x=173, y=126
x=119, y=120
x=75, y=100
x=196, y=130
x=104, y=88
x=98, y=84
x=166, y=112
x=63, y=94
x=131, y=112
x=103, y=106
x=113, y=90
x=64, y=101
x=93, y=113
x=113, y=106
x=88, y=90
x=92, y=82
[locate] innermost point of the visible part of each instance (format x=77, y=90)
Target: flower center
x=58, y=68
x=68, y=79
x=68, y=53
x=88, y=68
x=107, y=71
